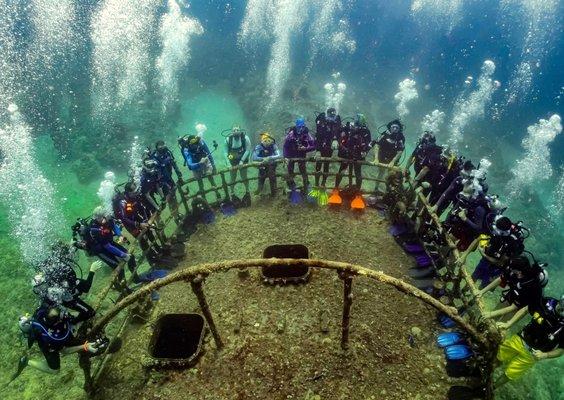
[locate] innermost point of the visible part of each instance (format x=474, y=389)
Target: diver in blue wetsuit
x=198, y=158
x=101, y=243
x=266, y=153
x=52, y=329
x=166, y=164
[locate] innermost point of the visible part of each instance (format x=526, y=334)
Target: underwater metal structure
x=458, y=285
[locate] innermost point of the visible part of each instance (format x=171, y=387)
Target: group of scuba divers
x=476, y=219
x=448, y=180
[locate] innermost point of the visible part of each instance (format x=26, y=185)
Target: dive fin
x=322, y=198
x=420, y=273
x=358, y=204
x=458, y=352
x=228, y=208
x=295, y=197
x=465, y=393
x=446, y=339
x=152, y=275
x=313, y=195
x=335, y=199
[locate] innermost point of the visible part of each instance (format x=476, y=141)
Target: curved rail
x=190, y=273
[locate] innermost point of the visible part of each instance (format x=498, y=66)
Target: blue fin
x=228, y=209
x=152, y=275
x=208, y=217
x=446, y=339
x=446, y=322
x=295, y=197
x=458, y=352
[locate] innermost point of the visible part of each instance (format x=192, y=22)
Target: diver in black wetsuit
x=328, y=130
x=166, y=164
x=389, y=147
x=52, y=329
x=354, y=144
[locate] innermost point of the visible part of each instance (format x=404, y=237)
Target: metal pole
x=196, y=284
x=347, y=303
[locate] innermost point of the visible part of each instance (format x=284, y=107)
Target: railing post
x=196, y=284
x=224, y=184
x=182, y=195
x=347, y=303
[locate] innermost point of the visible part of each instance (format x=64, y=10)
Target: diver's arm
x=493, y=284
x=424, y=171
x=276, y=155
x=478, y=223
x=208, y=154
x=114, y=250
x=226, y=152
x=492, y=260
x=151, y=201
x=84, y=285
x=551, y=354
x=256, y=156
x=396, y=158
x=247, y=152
x=446, y=193
x=516, y=317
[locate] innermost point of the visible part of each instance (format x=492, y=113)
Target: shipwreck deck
x=275, y=346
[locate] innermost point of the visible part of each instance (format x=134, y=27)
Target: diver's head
x=130, y=190
x=160, y=146
x=331, y=114
x=428, y=138
x=38, y=282
x=300, y=123
x=150, y=166
x=194, y=142
x=24, y=323
x=520, y=267
x=467, y=169
x=236, y=131
x=360, y=120
x=395, y=126
x=502, y=226
x=266, y=139
x=100, y=215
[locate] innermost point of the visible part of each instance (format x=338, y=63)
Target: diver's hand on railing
x=502, y=326
x=96, y=265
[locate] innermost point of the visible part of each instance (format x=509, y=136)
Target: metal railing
x=458, y=283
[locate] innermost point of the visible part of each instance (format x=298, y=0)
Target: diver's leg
x=303, y=172
x=291, y=182
x=233, y=178
x=358, y=175
x=272, y=179
x=339, y=176
x=244, y=176
x=318, y=165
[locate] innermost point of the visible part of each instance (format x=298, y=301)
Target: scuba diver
x=98, y=240
x=151, y=183
x=506, y=241
x=266, y=153
x=328, y=131
x=166, y=163
x=389, y=147
x=297, y=144
x=134, y=214
x=57, y=283
x=52, y=329
x=198, y=158
x=523, y=283
x=466, y=219
x=237, y=150
x=541, y=339
x=448, y=196
x=428, y=163
x=354, y=144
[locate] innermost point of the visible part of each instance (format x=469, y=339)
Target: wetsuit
x=499, y=248
x=522, y=291
x=151, y=186
x=545, y=332
x=267, y=170
x=297, y=144
x=353, y=145
x=193, y=154
x=238, y=151
x=51, y=335
x=389, y=144
x=467, y=231
x=167, y=164
x=102, y=244
x=327, y=130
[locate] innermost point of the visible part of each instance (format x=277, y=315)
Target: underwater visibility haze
x=86, y=86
